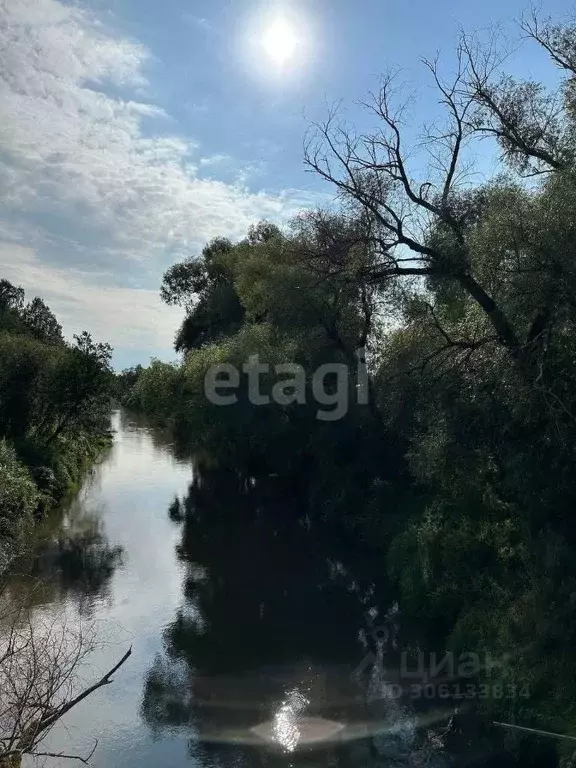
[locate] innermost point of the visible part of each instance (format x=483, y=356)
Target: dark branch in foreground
x=106, y=680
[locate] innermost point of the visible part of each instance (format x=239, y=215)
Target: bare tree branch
x=105, y=680
x=63, y=756
x=39, y=671
x=374, y=173
x=550, y=38
x=518, y=115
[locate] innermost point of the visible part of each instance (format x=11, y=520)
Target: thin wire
x=534, y=730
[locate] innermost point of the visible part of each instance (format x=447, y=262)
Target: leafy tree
x=126, y=380
x=41, y=322
x=426, y=226
x=155, y=392
x=54, y=399
x=460, y=465
x=11, y=296
x=11, y=305
x=84, y=383
x=205, y=287
x=18, y=501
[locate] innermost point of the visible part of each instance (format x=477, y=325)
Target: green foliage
x=205, y=287
x=155, y=391
x=249, y=437
x=11, y=296
x=261, y=299
x=18, y=501
x=125, y=381
x=54, y=411
x=460, y=467
x=41, y=322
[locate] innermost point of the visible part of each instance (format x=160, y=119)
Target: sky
x=133, y=131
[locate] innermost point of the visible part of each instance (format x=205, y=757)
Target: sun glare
x=280, y=41
x=278, y=44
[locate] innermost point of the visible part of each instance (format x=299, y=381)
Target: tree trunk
x=499, y=321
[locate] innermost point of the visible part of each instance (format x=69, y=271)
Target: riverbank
x=31, y=488
x=54, y=413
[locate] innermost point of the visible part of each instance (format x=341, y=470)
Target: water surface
x=255, y=642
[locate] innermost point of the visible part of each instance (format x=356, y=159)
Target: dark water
x=254, y=642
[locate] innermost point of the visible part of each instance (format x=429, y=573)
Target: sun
x=280, y=41
x=278, y=44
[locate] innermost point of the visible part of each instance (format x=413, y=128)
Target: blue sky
x=135, y=130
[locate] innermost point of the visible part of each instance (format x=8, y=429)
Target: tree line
x=55, y=399
x=459, y=467
x=54, y=413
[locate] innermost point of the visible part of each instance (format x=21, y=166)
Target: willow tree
x=424, y=224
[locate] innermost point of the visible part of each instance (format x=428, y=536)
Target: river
x=253, y=642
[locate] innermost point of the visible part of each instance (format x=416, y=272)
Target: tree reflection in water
x=73, y=560
x=270, y=613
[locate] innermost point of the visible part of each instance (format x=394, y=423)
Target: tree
x=425, y=227
x=461, y=470
x=125, y=381
x=205, y=288
x=41, y=322
x=84, y=384
x=11, y=297
x=49, y=390
x=54, y=414
x=18, y=502
x=11, y=305
x=39, y=671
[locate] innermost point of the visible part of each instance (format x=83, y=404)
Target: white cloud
x=214, y=160
x=66, y=142
x=81, y=178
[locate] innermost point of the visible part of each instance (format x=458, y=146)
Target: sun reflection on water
x=286, y=720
